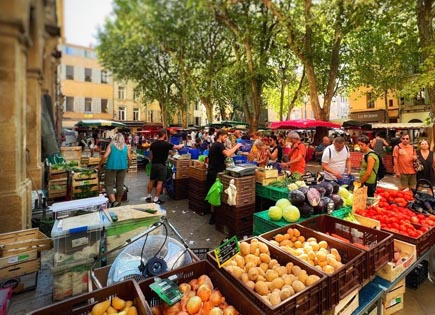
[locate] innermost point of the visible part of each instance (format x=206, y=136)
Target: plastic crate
x=341, y=213
x=380, y=245
x=277, y=193
x=232, y=295
x=417, y=275
x=240, y=159
x=262, y=191
x=127, y=290
x=263, y=224
x=310, y=301
x=344, y=280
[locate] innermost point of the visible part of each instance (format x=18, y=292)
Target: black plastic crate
x=417, y=275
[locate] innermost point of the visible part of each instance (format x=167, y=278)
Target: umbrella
x=109, y=124
x=302, y=124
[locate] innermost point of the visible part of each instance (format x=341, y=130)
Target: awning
x=399, y=125
x=302, y=124
x=109, y=124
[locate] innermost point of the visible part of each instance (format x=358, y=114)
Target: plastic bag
x=231, y=191
x=214, y=194
x=148, y=169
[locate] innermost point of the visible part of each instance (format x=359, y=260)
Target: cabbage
x=283, y=203
x=291, y=214
x=313, y=197
x=304, y=189
x=338, y=202
x=328, y=188
x=322, y=207
x=301, y=183
x=297, y=197
x=343, y=192
x=320, y=189
x=306, y=210
x=292, y=186
x=335, y=186
x=275, y=213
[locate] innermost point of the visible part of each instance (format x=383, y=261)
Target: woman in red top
x=296, y=155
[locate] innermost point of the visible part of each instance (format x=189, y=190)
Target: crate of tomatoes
x=405, y=224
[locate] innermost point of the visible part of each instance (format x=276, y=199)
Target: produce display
x=116, y=306
x=284, y=209
x=311, y=200
x=317, y=254
x=394, y=216
x=199, y=297
x=265, y=276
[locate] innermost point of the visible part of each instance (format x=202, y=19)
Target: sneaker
x=159, y=202
x=148, y=199
x=115, y=204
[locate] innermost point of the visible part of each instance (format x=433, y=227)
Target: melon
x=275, y=213
x=283, y=203
x=291, y=214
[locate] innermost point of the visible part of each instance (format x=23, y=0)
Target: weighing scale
x=244, y=169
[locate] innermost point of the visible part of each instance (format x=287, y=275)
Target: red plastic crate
x=310, y=301
x=379, y=243
x=184, y=274
x=344, y=280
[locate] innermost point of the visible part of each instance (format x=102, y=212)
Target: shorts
x=408, y=180
x=158, y=172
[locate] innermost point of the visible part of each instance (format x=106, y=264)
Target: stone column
x=15, y=187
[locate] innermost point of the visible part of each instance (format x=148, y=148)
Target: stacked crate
x=72, y=153
x=84, y=185
x=132, y=168
x=198, y=188
x=237, y=219
x=181, y=168
x=57, y=186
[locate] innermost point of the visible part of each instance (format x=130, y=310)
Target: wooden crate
x=71, y=153
x=391, y=271
x=20, y=269
x=347, y=305
x=199, y=173
x=57, y=174
x=245, y=189
x=23, y=241
x=84, y=185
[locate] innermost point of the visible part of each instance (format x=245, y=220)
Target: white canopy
x=399, y=125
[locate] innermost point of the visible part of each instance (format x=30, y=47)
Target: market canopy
x=93, y=123
x=302, y=124
x=399, y=125
x=228, y=124
x=356, y=124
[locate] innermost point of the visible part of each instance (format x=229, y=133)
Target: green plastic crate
x=261, y=191
x=277, y=193
x=263, y=224
x=340, y=213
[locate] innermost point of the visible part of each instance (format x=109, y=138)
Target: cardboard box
x=393, y=305
x=21, y=283
x=391, y=271
x=347, y=305
x=398, y=290
x=368, y=222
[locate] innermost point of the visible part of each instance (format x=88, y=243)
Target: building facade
x=86, y=87
x=29, y=34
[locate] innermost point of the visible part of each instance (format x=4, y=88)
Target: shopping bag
x=214, y=194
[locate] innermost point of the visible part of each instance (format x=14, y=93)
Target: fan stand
x=153, y=267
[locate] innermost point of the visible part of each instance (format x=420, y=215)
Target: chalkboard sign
x=227, y=250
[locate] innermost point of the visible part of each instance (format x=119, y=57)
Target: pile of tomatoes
x=393, y=214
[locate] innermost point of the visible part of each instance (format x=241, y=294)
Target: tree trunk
x=208, y=108
x=387, y=117
x=163, y=114
x=281, y=97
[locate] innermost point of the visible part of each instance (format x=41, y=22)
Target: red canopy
x=302, y=124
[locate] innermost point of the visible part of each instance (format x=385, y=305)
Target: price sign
x=226, y=251
x=359, y=199
x=167, y=290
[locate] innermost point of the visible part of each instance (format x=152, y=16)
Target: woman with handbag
x=427, y=163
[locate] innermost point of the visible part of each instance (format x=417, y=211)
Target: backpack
x=330, y=154
x=381, y=170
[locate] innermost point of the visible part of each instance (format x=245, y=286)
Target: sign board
x=359, y=198
x=226, y=251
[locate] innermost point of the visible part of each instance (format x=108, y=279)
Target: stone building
x=29, y=33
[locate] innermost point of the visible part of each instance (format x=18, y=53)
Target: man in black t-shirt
x=159, y=151
x=216, y=160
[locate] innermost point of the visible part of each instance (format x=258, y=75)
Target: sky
x=82, y=19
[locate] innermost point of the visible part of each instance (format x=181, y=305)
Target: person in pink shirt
x=296, y=155
x=404, y=155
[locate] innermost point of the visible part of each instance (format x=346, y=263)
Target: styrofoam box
x=76, y=240
x=73, y=207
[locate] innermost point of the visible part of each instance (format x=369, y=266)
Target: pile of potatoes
x=264, y=275
x=116, y=306
x=315, y=253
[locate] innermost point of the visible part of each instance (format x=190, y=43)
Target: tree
x=315, y=33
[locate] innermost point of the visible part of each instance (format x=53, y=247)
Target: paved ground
x=194, y=228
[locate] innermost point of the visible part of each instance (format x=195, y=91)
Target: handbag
x=418, y=166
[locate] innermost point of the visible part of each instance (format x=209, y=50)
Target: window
x=197, y=121
x=420, y=98
x=135, y=114
x=88, y=74
x=150, y=116
x=121, y=92
x=69, y=104
x=136, y=95
x=370, y=101
x=104, y=106
x=88, y=104
x=121, y=113
x=196, y=106
x=390, y=103
x=103, y=76
x=69, y=72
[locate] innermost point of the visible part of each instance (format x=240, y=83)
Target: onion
x=156, y=310
x=230, y=310
x=216, y=311
x=184, y=288
x=204, y=292
x=215, y=297
x=194, y=284
x=172, y=310
x=193, y=305
x=182, y=313
x=205, y=279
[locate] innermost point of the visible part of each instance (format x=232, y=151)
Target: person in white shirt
x=336, y=160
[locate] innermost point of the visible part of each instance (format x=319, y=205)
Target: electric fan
x=147, y=255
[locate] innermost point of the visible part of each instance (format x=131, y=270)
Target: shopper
x=275, y=150
x=404, y=155
x=426, y=157
x=296, y=155
x=378, y=144
x=117, y=158
x=259, y=153
x=336, y=160
x=159, y=151
x=369, y=166
x=318, y=152
x=216, y=161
